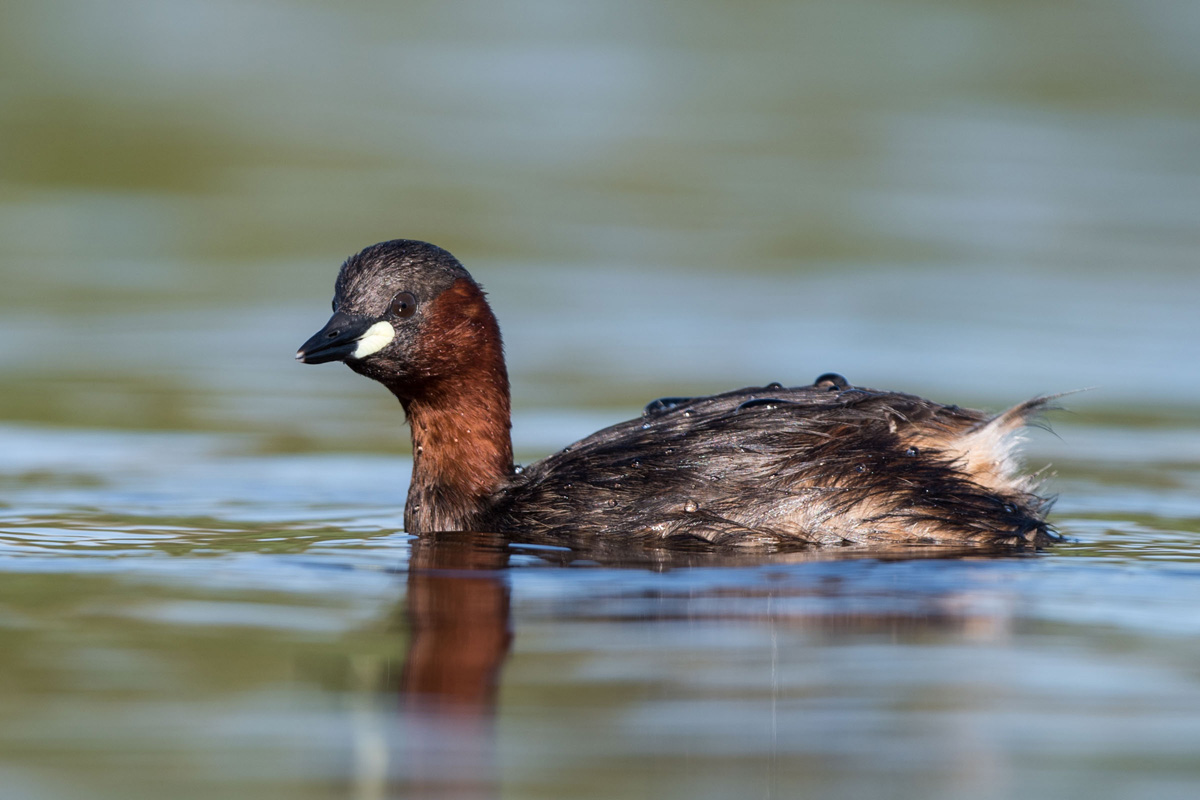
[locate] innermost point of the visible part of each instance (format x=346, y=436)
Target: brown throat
x=459, y=413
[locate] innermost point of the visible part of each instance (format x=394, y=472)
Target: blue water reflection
x=204, y=588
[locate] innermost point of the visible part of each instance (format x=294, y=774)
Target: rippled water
x=241, y=624
x=205, y=591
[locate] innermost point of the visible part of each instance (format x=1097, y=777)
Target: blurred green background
x=203, y=585
x=979, y=199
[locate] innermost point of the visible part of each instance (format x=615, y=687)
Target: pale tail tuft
x=988, y=451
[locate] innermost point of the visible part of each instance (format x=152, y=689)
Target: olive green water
x=205, y=591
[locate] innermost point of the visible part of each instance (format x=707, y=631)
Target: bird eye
x=404, y=304
x=333, y=304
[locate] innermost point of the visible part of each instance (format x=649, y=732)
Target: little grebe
x=821, y=464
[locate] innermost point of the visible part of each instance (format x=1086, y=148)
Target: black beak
x=335, y=342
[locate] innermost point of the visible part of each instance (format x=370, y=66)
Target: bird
x=823, y=464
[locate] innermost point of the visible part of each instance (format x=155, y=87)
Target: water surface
x=205, y=590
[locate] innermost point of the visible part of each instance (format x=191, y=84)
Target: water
x=256, y=625
x=205, y=591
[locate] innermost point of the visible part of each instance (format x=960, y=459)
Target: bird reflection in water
x=459, y=637
x=460, y=630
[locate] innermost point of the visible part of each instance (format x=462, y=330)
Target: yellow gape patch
x=375, y=339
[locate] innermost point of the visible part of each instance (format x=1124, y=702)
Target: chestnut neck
x=459, y=413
